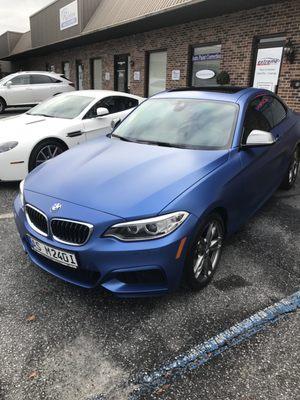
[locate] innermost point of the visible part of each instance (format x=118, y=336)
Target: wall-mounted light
x=132, y=63
x=289, y=51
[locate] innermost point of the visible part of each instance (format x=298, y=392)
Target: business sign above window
x=68, y=15
x=267, y=69
x=207, y=57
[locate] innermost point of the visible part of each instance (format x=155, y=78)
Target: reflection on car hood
x=121, y=178
x=16, y=127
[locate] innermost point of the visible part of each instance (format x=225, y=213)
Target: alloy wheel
x=47, y=152
x=207, y=251
x=293, y=171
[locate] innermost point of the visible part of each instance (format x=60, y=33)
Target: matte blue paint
x=109, y=181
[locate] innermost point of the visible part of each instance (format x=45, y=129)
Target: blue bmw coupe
x=149, y=206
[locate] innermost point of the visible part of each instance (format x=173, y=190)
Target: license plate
x=59, y=256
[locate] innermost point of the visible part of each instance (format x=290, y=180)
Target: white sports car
x=57, y=124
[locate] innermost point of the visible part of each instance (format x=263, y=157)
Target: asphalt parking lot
x=12, y=112
x=62, y=342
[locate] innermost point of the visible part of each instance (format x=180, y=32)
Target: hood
x=121, y=178
x=15, y=128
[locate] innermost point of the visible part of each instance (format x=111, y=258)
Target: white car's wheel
x=2, y=106
x=44, y=151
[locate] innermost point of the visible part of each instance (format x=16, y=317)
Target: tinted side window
x=110, y=103
x=114, y=104
x=92, y=113
x=258, y=116
x=40, y=79
x=125, y=103
x=279, y=112
x=21, y=80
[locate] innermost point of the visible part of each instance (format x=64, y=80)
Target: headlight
x=7, y=146
x=147, y=229
x=22, y=192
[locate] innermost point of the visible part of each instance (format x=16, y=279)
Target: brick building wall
x=235, y=32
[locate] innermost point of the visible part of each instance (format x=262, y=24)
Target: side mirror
x=115, y=123
x=8, y=84
x=102, y=111
x=260, y=138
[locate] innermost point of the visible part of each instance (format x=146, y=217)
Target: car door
x=261, y=166
x=20, y=91
x=118, y=106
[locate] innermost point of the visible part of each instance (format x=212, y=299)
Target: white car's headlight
x=22, y=192
x=4, y=147
x=147, y=229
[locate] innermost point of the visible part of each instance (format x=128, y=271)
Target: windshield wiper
x=155, y=143
x=163, y=144
x=124, y=138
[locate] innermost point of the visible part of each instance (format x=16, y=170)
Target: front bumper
x=127, y=269
x=13, y=167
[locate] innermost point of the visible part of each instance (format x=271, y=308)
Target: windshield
x=188, y=123
x=65, y=106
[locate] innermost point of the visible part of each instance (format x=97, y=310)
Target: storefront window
x=66, y=69
x=157, y=72
x=206, y=65
x=79, y=75
x=268, y=60
x=97, y=73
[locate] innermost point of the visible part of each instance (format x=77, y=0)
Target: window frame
x=118, y=58
x=108, y=97
x=256, y=45
x=92, y=83
x=77, y=64
x=147, y=67
x=191, y=50
x=63, y=68
x=20, y=84
x=247, y=108
x=51, y=80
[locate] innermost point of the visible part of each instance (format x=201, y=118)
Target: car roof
x=35, y=72
x=227, y=93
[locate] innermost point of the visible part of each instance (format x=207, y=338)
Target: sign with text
x=207, y=57
x=176, y=75
x=68, y=15
x=137, y=75
x=267, y=69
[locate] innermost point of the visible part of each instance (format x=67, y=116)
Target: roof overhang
x=198, y=9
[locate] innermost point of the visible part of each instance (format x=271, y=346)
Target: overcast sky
x=14, y=14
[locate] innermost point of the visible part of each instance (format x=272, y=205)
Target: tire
x=202, y=261
x=45, y=151
x=2, y=106
x=291, y=176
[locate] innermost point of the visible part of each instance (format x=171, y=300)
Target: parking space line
x=149, y=383
x=6, y=216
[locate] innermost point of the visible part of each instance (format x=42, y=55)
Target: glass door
x=157, y=72
x=121, y=73
x=79, y=75
x=66, y=69
x=97, y=73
